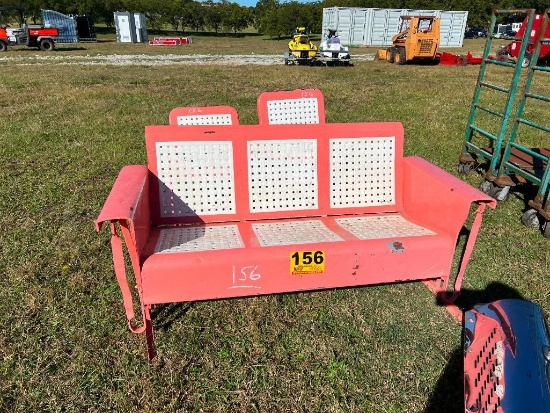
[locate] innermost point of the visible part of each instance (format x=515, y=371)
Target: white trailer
x=376, y=27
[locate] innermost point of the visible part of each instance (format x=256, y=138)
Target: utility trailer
x=25, y=35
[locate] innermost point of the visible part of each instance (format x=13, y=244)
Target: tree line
x=274, y=18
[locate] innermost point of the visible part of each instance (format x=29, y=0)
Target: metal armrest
x=128, y=205
x=129, y=201
x=437, y=198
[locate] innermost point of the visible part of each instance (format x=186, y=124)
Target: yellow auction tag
x=307, y=262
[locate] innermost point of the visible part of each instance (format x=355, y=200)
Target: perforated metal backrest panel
x=282, y=175
x=293, y=232
x=196, y=178
x=293, y=111
x=204, y=115
x=222, y=119
x=362, y=172
x=198, y=238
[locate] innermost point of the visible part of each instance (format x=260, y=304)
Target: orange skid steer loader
x=417, y=41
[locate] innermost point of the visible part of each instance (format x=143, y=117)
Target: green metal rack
x=521, y=164
x=491, y=150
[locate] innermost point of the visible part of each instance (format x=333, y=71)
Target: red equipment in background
x=25, y=35
x=170, y=41
x=452, y=59
x=514, y=47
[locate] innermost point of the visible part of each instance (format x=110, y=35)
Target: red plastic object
x=205, y=115
x=291, y=107
x=169, y=41
x=44, y=31
x=244, y=210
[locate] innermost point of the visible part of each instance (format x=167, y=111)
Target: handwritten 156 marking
x=245, y=277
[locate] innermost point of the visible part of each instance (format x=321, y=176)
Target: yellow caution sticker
x=307, y=262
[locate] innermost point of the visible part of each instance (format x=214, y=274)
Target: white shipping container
x=376, y=27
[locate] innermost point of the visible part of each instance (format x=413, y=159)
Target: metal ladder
x=521, y=164
x=471, y=151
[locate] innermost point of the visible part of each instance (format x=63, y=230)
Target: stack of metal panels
x=66, y=25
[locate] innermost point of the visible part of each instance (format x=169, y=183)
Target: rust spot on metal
x=396, y=246
x=356, y=266
x=466, y=158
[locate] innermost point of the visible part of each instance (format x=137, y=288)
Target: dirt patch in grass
x=157, y=60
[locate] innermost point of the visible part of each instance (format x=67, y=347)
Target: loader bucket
x=381, y=55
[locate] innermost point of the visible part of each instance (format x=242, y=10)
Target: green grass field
x=65, y=132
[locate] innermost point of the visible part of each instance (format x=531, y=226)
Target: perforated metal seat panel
x=383, y=226
x=195, y=238
x=294, y=232
x=198, y=238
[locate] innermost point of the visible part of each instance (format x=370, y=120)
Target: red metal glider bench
x=243, y=210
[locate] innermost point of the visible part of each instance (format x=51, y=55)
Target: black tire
x=3, y=46
x=526, y=60
x=530, y=218
x=485, y=186
x=462, y=60
x=499, y=193
x=390, y=54
x=546, y=229
x=502, y=52
x=400, y=56
x=464, y=168
x=46, y=45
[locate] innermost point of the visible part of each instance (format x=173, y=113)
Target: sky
x=249, y=3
